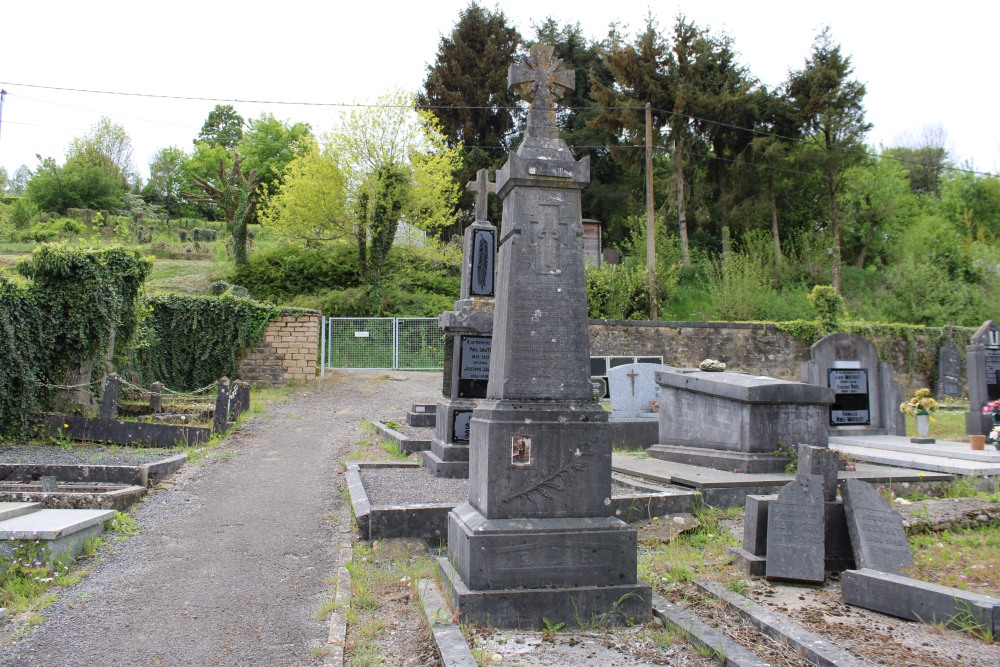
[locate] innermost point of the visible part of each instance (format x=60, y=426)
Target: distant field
x=185, y=276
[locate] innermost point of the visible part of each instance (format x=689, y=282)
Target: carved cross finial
x=541, y=80
x=483, y=188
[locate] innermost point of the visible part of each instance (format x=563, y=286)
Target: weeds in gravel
x=966, y=621
x=123, y=526
x=698, y=552
x=28, y=572
x=391, y=447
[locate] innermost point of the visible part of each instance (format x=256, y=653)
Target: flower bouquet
x=922, y=406
x=993, y=410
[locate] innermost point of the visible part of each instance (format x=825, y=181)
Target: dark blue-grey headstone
x=877, y=534
x=796, y=548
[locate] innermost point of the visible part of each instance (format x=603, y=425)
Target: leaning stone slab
x=877, y=534
x=916, y=600
x=795, y=531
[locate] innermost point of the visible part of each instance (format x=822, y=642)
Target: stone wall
x=287, y=352
x=759, y=349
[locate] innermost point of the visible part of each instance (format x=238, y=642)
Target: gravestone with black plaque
x=536, y=539
x=983, y=365
x=468, y=331
x=866, y=394
x=851, y=406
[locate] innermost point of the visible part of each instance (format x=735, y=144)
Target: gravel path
x=237, y=553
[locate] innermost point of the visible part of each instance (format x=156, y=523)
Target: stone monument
x=983, y=370
x=536, y=539
x=468, y=341
x=949, y=383
x=866, y=394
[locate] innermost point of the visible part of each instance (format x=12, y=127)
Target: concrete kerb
x=697, y=632
x=448, y=638
x=337, y=637
x=404, y=442
x=813, y=648
x=142, y=475
x=427, y=521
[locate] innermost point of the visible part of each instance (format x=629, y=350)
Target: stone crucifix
x=483, y=188
x=632, y=375
x=541, y=80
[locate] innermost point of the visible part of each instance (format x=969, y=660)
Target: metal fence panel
x=415, y=343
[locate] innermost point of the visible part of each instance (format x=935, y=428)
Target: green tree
x=830, y=105
x=204, y=164
x=236, y=195
x=397, y=165
x=18, y=183
x=108, y=146
x=77, y=184
x=223, y=127
x=4, y=178
x=972, y=204
x=269, y=145
x=925, y=159
x=166, y=179
x=310, y=206
x=466, y=89
x=878, y=208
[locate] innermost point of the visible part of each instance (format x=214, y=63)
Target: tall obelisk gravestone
x=468, y=331
x=535, y=539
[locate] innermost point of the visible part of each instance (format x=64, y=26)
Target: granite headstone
x=877, y=533
x=632, y=387
x=796, y=548
x=949, y=382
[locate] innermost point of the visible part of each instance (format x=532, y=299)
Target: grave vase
x=923, y=425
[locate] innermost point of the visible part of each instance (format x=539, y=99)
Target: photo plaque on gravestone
x=481, y=275
x=993, y=374
x=461, y=425
x=474, y=372
x=851, y=401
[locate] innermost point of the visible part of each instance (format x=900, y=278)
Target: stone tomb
x=983, y=362
x=536, y=539
x=737, y=422
x=866, y=395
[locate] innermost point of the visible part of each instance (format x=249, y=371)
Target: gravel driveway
x=237, y=551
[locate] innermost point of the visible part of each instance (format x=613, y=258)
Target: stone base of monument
x=923, y=441
x=422, y=415
x=449, y=452
x=720, y=459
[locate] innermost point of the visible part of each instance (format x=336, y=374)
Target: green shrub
x=829, y=307
x=617, y=292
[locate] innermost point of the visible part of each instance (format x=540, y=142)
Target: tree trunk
x=835, y=228
x=681, y=205
x=775, y=234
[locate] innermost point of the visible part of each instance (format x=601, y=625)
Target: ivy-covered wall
x=776, y=350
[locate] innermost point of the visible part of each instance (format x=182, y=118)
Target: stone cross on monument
x=483, y=188
x=536, y=539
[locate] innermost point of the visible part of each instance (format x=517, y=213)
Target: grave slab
x=942, y=448
x=64, y=531
x=927, y=462
x=13, y=509
x=877, y=534
x=917, y=600
x=796, y=548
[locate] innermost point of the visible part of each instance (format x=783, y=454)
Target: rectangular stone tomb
x=796, y=545
x=877, y=533
x=737, y=422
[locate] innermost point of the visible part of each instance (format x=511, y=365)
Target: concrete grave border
x=401, y=440
x=147, y=474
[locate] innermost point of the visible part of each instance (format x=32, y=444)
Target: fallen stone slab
x=917, y=600
x=704, y=637
x=812, y=647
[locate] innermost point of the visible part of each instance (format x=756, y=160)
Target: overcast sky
x=925, y=64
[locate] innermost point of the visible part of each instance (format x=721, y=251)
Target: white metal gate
x=398, y=343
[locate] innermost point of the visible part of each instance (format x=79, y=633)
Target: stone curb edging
x=337, y=637
x=815, y=649
x=404, y=442
x=724, y=650
x=448, y=638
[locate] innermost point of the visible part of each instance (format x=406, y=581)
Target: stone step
x=449, y=451
x=928, y=462
x=439, y=467
x=896, y=443
x=64, y=531
x=10, y=510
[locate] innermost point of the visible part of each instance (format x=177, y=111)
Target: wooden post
x=650, y=228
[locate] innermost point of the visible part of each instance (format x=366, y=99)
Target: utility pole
x=650, y=229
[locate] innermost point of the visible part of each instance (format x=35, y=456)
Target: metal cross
x=483, y=188
x=541, y=80
x=632, y=375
